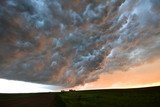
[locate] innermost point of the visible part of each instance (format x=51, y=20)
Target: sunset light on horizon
x=137, y=77
x=146, y=75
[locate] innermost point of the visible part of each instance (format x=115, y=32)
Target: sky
x=81, y=44
x=146, y=75
x=12, y=86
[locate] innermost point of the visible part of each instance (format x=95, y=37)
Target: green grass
x=144, y=97
x=149, y=97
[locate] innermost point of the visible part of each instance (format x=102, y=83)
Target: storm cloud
x=72, y=42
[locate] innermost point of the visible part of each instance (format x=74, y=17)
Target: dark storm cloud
x=71, y=42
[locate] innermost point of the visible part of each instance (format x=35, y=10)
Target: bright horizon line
x=13, y=86
x=122, y=87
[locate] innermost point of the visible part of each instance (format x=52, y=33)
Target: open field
x=143, y=97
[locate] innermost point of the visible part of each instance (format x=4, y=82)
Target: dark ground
x=143, y=97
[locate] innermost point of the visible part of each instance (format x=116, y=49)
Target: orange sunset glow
x=141, y=76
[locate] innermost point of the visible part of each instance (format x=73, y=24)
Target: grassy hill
x=142, y=97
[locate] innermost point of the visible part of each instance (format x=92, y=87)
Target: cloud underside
x=72, y=42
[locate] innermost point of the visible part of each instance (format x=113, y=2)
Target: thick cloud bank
x=71, y=42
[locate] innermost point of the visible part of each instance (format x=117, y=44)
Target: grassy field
x=143, y=97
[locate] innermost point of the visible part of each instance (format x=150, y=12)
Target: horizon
x=38, y=88
x=41, y=88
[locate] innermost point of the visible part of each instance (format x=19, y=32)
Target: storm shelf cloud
x=72, y=42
